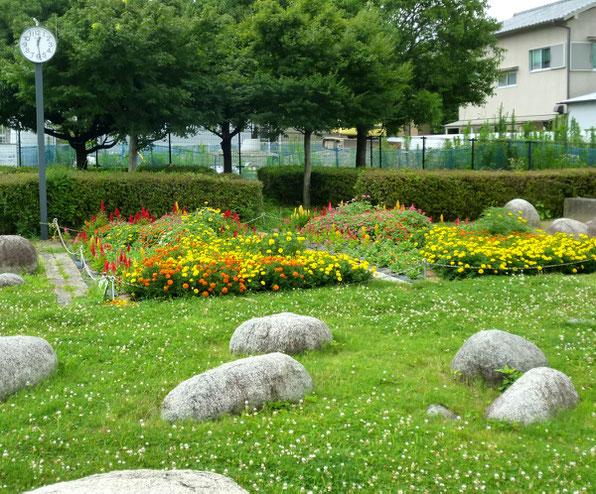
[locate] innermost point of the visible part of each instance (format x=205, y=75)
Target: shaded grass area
x=364, y=428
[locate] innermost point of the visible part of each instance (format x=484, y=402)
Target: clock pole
x=41, y=151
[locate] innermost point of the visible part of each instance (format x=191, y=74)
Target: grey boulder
x=568, y=226
x=24, y=361
x=10, y=279
x=435, y=410
x=147, y=482
x=17, y=254
x=525, y=209
x=591, y=228
x=486, y=351
x=249, y=382
x=536, y=396
x=286, y=332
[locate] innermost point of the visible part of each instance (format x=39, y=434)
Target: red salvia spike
x=111, y=217
x=117, y=213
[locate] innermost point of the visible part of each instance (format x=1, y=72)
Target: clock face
x=37, y=44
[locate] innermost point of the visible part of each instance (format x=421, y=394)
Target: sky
x=504, y=9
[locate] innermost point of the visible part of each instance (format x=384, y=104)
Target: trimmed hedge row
x=284, y=184
x=465, y=194
x=452, y=193
x=74, y=197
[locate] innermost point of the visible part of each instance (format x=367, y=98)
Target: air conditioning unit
x=560, y=109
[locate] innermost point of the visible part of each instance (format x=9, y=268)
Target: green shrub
x=284, y=184
x=74, y=197
x=465, y=194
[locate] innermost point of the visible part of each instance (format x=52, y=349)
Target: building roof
x=552, y=12
x=581, y=99
x=493, y=120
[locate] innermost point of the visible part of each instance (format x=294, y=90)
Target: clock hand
x=38, y=50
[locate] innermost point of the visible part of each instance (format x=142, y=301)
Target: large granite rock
x=286, y=332
x=486, y=351
x=536, y=396
x=591, y=228
x=17, y=254
x=147, y=482
x=24, y=361
x=526, y=209
x=10, y=279
x=568, y=226
x=231, y=387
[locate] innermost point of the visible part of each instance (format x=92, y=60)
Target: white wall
x=584, y=114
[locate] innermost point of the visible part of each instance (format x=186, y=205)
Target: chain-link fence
x=248, y=155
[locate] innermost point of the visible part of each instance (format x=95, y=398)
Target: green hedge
x=284, y=184
x=465, y=194
x=74, y=197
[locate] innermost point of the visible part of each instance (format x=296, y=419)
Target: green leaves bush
x=74, y=197
x=284, y=184
x=465, y=194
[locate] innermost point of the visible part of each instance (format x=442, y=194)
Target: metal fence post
x=371, y=151
x=380, y=151
x=529, y=155
x=239, y=154
x=170, y=148
x=423, y=152
x=336, y=149
x=473, y=149
x=19, y=148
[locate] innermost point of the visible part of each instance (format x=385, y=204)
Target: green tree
x=121, y=68
x=227, y=99
x=369, y=68
x=296, y=48
x=452, y=49
x=449, y=47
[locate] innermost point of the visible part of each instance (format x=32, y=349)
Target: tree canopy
x=140, y=68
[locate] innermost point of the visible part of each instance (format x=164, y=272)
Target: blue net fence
x=474, y=155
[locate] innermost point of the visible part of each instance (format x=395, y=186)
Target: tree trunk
x=307, y=170
x=81, y=154
x=226, y=147
x=132, y=152
x=361, y=146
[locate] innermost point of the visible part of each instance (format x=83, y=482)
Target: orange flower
x=185, y=286
x=224, y=290
x=205, y=294
x=275, y=287
x=170, y=282
x=165, y=288
x=295, y=273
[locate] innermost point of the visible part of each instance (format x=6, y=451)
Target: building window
x=508, y=79
x=540, y=59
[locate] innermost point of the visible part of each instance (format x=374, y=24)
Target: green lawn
x=364, y=428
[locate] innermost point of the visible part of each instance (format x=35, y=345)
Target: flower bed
x=208, y=253
x=385, y=237
x=456, y=252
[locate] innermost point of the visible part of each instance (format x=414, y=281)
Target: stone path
x=61, y=272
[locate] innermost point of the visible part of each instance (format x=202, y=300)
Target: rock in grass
x=147, y=482
x=17, y=254
x=10, y=279
x=568, y=226
x=24, y=361
x=526, y=209
x=591, y=228
x=286, y=332
x=539, y=395
x=439, y=410
x=486, y=351
x=229, y=388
